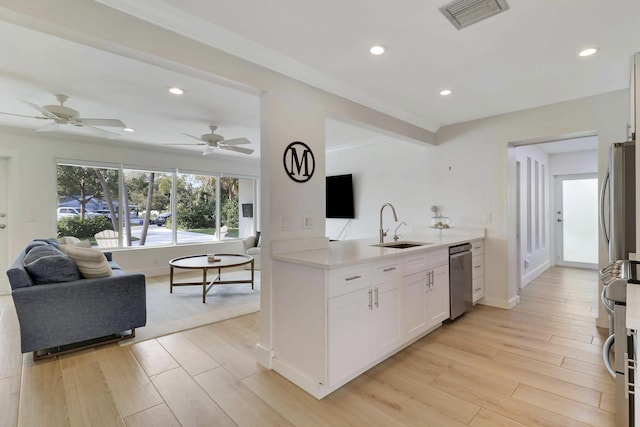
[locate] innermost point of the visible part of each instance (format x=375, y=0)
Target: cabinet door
x=387, y=318
x=415, y=294
x=438, y=296
x=349, y=324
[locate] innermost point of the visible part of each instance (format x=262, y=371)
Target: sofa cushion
x=91, y=263
x=45, y=264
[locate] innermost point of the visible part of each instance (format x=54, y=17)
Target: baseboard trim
x=530, y=276
x=500, y=303
x=264, y=356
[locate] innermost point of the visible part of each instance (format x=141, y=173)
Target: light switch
x=308, y=221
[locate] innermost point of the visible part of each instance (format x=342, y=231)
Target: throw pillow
x=91, y=263
x=34, y=244
x=45, y=264
x=74, y=241
x=40, y=251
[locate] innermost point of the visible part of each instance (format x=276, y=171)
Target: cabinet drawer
x=440, y=257
x=478, y=289
x=478, y=268
x=477, y=247
x=348, y=279
x=387, y=270
x=416, y=263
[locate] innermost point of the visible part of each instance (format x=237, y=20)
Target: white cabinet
x=477, y=262
x=330, y=323
x=365, y=324
x=425, y=292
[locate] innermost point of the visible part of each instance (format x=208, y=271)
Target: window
x=162, y=207
x=147, y=196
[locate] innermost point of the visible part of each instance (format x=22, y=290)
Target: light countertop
x=348, y=252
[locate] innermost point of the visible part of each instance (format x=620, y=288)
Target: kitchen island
x=340, y=310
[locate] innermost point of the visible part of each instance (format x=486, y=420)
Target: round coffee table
x=201, y=262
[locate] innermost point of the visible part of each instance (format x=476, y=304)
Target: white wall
x=575, y=163
x=471, y=175
x=386, y=171
x=480, y=146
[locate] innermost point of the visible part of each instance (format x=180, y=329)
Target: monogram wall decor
x=299, y=162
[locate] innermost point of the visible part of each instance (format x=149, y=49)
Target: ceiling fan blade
x=236, y=141
x=102, y=122
x=101, y=132
x=51, y=127
x=24, y=115
x=44, y=112
x=239, y=149
x=188, y=143
x=194, y=137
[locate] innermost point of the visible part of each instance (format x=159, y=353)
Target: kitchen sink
x=402, y=245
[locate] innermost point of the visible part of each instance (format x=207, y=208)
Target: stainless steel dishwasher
x=460, y=280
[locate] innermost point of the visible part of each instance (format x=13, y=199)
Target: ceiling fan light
x=176, y=90
x=128, y=129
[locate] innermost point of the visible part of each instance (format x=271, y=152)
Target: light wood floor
x=536, y=365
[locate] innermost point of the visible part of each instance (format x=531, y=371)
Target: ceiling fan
x=211, y=141
x=62, y=115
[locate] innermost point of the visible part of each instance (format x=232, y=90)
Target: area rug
x=183, y=309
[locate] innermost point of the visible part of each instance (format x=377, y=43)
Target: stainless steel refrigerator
x=618, y=201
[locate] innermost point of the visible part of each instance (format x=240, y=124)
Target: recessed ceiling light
x=377, y=50
x=176, y=90
x=128, y=129
x=588, y=52
x=445, y=92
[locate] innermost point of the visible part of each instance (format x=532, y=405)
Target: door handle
x=559, y=220
x=2, y=226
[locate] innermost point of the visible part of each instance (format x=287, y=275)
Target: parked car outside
x=162, y=219
x=67, y=212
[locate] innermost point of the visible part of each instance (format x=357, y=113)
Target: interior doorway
x=534, y=166
x=577, y=220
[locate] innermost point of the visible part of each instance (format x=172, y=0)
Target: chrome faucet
x=395, y=233
x=395, y=217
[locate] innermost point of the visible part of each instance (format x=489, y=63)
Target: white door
x=387, y=318
x=415, y=304
x=576, y=219
x=438, y=296
x=349, y=323
x=4, y=236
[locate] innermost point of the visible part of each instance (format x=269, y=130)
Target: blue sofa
x=60, y=310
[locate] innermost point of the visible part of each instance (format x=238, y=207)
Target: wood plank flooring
x=538, y=364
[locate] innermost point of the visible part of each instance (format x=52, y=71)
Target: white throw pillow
x=74, y=241
x=90, y=262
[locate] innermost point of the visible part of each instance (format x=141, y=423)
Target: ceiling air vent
x=463, y=13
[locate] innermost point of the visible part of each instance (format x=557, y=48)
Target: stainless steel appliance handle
x=608, y=306
x=606, y=358
x=603, y=189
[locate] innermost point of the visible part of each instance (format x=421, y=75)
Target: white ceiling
x=522, y=58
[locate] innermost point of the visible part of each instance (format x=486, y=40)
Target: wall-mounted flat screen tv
x=340, y=202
